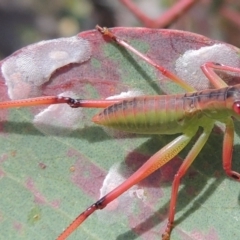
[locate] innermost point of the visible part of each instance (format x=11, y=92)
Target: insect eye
x=236, y=107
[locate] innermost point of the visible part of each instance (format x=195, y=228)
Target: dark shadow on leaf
x=91, y=133
x=20, y=128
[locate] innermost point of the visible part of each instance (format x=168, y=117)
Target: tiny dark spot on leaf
x=42, y=165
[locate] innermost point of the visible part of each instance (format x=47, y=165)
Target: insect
x=161, y=114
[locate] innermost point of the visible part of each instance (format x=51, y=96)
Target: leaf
x=51, y=167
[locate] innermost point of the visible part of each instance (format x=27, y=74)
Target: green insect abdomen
x=148, y=114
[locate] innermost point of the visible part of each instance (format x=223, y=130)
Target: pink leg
x=164, y=71
x=156, y=161
x=208, y=69
x=48, y=100
x=181, y=172
x=228, y=149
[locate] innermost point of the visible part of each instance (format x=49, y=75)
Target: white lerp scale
x=188, y=65
x=28, y=69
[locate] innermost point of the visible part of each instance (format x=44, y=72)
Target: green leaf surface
x=49, y=176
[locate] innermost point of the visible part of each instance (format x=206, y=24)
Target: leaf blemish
x=188, y=65
x=29, y=68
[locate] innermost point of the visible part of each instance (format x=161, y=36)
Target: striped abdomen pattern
x=146, y=114
x=166, y=114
